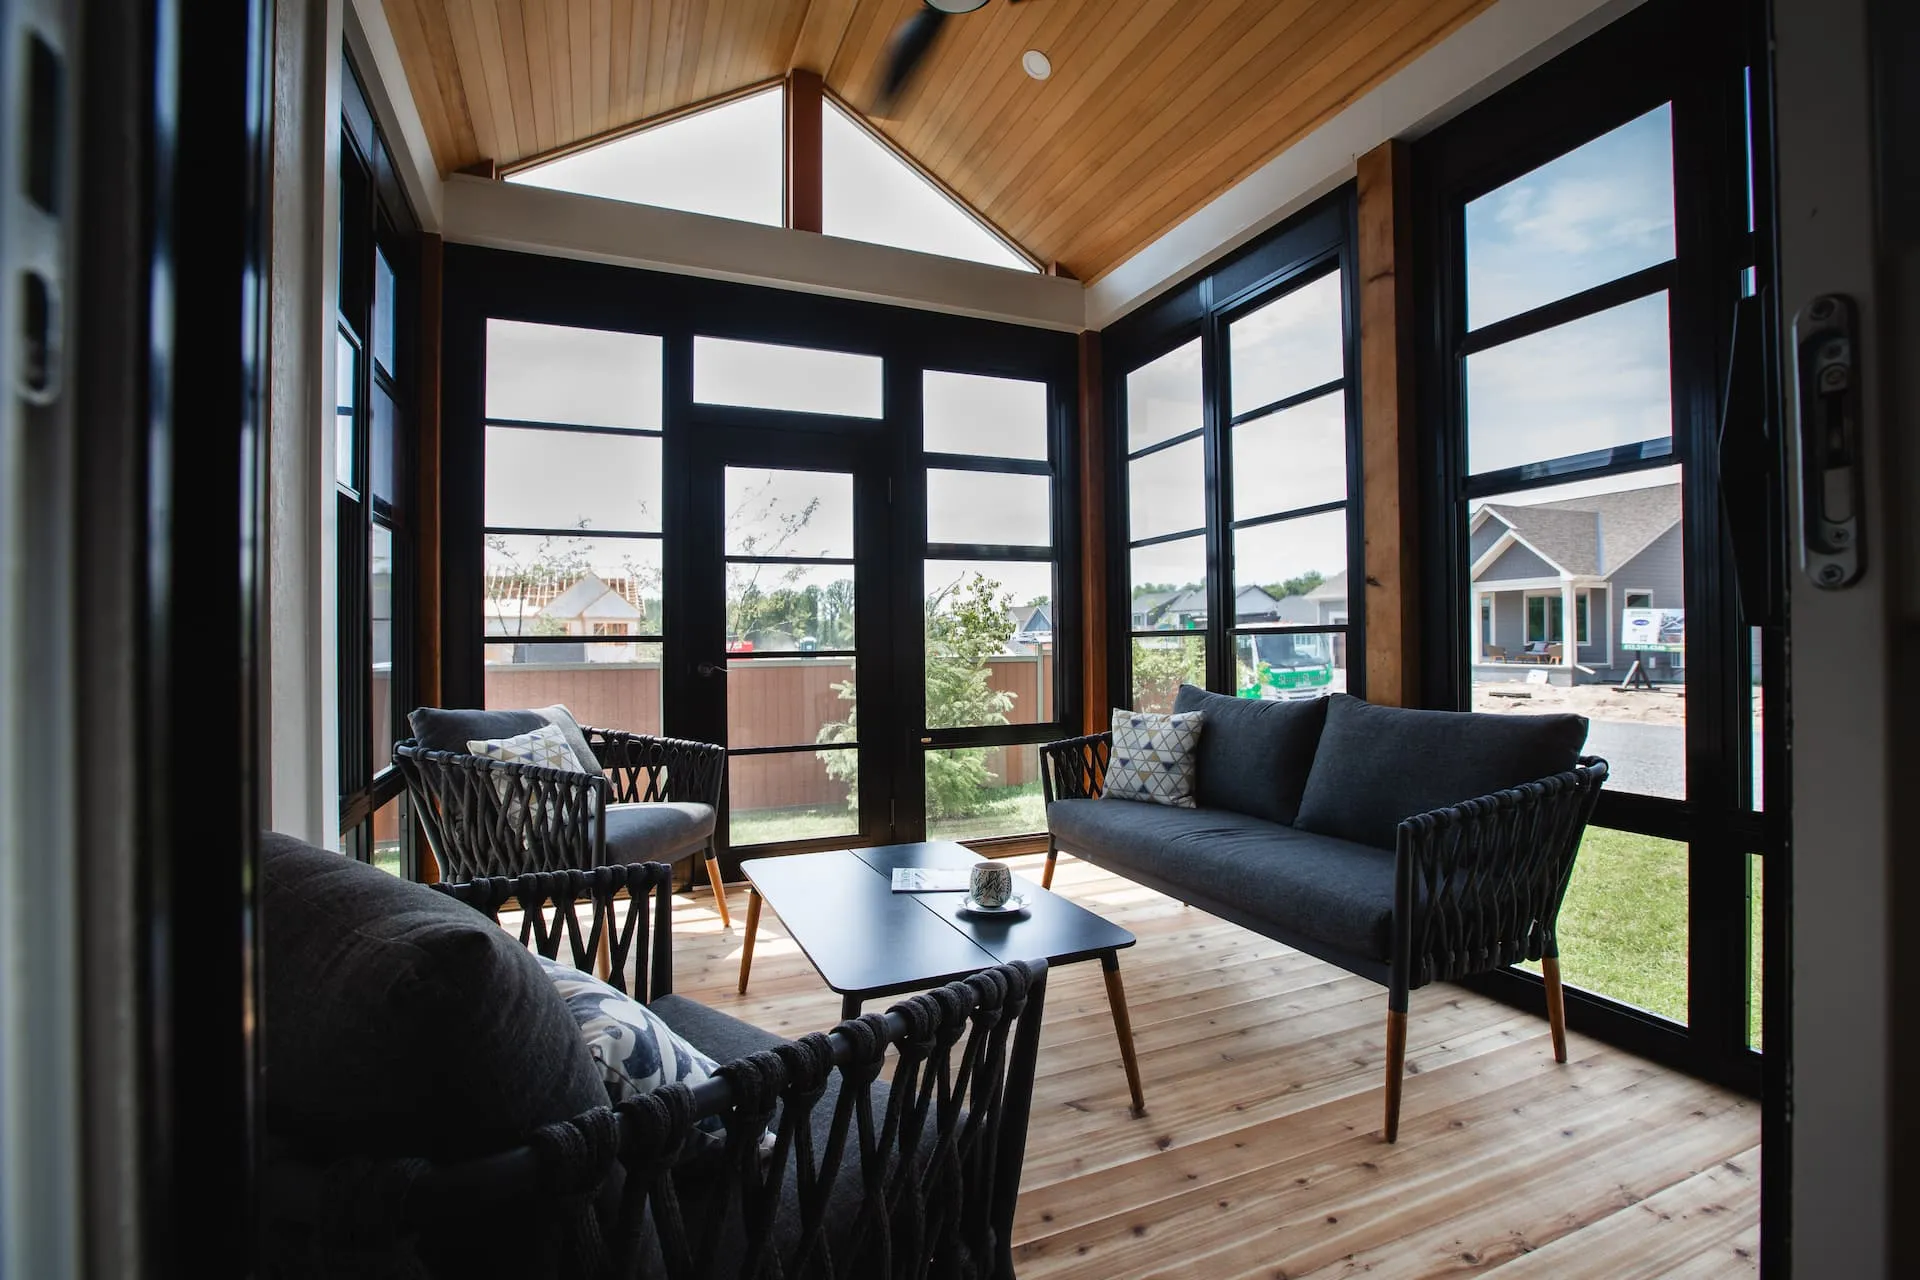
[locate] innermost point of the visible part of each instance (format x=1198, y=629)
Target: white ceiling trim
x=1490, y=52
x=378, y=59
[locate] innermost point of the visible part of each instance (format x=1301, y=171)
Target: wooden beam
x=1093, y=538
x=1390, y=494
x=805, y=105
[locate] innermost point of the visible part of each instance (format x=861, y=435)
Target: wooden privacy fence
x=772, y=702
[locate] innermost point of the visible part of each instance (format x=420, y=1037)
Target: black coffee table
x=866, y=940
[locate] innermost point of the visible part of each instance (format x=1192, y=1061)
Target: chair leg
x=1396, y=1068
x=1046, y=875
x=1556, y=1006
x=719, y=889
x=753, y=931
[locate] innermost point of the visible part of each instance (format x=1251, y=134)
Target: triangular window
x=726, y=161
x=869, y=193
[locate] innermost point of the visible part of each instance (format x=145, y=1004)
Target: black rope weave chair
x=1477, y=886
x=823, y=1172
x=487, y=818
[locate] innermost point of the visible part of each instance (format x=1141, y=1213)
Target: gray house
x=1550, y=582
x=1186, y=609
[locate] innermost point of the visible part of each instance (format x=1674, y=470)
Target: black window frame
x=483, y=284
x=376, y=222
x=1694, y=57
x=1319, y=240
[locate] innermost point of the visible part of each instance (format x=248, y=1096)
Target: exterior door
x=788, y=629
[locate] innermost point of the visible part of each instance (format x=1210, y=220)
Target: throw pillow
x=1154, y=757
x=545, y=748
x=636, y=1050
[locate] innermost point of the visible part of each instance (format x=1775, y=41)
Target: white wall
x=506, y=215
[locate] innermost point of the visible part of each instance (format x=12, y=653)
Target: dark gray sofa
x=1404, y=846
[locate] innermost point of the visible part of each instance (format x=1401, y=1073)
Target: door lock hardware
x=1826, y=370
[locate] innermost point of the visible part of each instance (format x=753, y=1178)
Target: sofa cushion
x=663, y=832
x=402, y=1022
x=1255, y=755
x=441, y=729
x=1331, y=891
x=1378, y=765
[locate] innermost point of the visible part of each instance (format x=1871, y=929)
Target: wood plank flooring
x=1260, y=1153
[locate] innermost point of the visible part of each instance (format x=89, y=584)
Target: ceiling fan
x=913, y=41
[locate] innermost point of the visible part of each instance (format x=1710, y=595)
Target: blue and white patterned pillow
x=1154, y=757
x=636, y=1050
x=545, y=747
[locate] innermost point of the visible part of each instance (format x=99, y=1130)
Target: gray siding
x=1658, y=569
x=1517, y=562
x=1483, y=537
x=1599, y=623
x=1510, y=620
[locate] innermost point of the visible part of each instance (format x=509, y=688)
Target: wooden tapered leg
x=1046, y=874
x=603, y=954
x=719, y=890
x=1123, y=1027
x=753, y=927
x=1396, y=1067
x=1556, y=1006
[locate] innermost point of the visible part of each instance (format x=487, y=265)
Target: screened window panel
x=1290, y=345
x=382, y=464
x=1275, y=566
x=346, y=399
x=1167, y=491
x=789, y=608
x=589, y=377
x=783, y=512
x=791, y=701
x=989, y=643
x=614, y=685
x=558, y=585
x=762, y=375
x=1165, y=398
x=1599, y=212
x=572, y=480
x=1292, y=459
x=1596, y=383
x=385, y=300
x=989, y=508
x=1170, y=585
x=792, y=795
x=989, y=417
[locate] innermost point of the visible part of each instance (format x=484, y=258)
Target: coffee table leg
x=1123, y=1027
x=849, y=1008
x=753, y=930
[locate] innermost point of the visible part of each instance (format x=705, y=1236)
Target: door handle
x=710, y=669
x=1826, y=367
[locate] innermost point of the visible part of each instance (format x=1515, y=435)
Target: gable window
x=1239, y=427
x=725, y=160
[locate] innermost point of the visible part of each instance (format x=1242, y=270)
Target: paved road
x=1648, y=758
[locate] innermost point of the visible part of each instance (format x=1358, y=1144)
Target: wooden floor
x=1260, y=1154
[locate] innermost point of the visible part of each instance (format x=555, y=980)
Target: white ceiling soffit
x=508, y=215
x=1487, y=54
x=378, y=57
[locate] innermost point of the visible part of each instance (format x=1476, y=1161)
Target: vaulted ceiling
x=1154, y=106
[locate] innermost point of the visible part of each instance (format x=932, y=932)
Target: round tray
x=1016, y=906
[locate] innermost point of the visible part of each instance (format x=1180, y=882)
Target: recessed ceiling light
x=1036, y=64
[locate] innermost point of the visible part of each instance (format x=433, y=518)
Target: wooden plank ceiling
x=1154, y=106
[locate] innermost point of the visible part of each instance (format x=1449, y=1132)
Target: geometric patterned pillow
x=545, y=747
x=1154, y=757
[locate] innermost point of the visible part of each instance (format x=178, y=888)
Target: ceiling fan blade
x=907, y=50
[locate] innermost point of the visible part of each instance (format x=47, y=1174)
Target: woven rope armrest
x=646, y=769
x=494, y=817
x=1075, y=768
x=550, y=902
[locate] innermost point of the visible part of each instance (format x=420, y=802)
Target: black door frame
x=1692, y=56
x=483, y=284
x=698, y=707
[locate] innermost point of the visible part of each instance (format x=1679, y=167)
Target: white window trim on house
x=1583, y=613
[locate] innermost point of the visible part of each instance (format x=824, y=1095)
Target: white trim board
x=507, y=215
x=1488, y=53
x=377, y=58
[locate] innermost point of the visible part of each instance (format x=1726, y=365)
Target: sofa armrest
x=549, y=902
x=487, y=817
x=1478, y=885
x=1075, y=768
x=646, y=769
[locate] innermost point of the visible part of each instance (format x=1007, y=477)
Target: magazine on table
x=931, y=879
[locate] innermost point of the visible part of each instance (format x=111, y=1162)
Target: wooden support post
x=1389, y=486
x=805, y=188
x=1093, y=539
